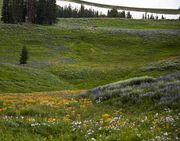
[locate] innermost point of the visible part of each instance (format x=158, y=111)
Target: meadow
x=64, y=115
x=73, y=56
x=90, y=79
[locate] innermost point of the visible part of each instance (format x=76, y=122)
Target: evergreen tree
x=162, y=17
x=143, y=17
x=129, y=16
x=157, y=17
x=69, y=11
x=82, y=12
x=5, y=11
x=31, y=11
x=113, y=13
x=152, y=17
x=51, y=12
x=122, y=14
x=41, y=12
x=23, y=56
x=18, y=11
x=75, y=13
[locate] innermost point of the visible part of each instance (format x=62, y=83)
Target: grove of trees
x=152, y=17
x=69, y=12
x=32, y=11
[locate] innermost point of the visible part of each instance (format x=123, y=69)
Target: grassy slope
x=89, y=57
x=120, y=23
x=131, y=110
x=20, y=79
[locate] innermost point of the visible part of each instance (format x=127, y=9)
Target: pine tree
x=157, y=17
x=82, y=12
x=31, y=11
x=122, y=14
x=41, y=12
x=143, y=17
x=5, y=11
x=152, y=17
x=17, y=11
x=23, y=56
x=13, y=11
x=129, y=16
x=162, y=17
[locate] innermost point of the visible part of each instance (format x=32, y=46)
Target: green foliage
x=69, y=12
x=41, y=12
x=13, y=11
x=24, y=56
x=78, y=51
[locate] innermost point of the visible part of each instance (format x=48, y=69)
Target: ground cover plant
x=90, y=79
x=64, y=116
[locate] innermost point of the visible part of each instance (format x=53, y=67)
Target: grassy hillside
x=19, y=79
x=84, y=57
x=80, y=54
x=137, y=109
x=116, y=23
x=164, y=89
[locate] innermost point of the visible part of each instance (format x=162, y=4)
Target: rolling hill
x=85, y=53
x=102, y=79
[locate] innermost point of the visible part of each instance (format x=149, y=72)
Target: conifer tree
x=31, y=11
x=23, y=56
x=5, y=11
x=129, y=16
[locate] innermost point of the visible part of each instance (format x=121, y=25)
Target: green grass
x=55, y=116
x=23, y=79
x=114, y=23
x=70, y=56
x=86, y=58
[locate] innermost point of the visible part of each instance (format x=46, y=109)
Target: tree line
x=115, y=13
x=152, y=17
x=69, y=12
x=32, y=11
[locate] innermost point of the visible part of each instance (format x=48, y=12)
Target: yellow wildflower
x=50, y=120
x=105, y=115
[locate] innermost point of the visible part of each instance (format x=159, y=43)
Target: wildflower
x=50, y=120
x=110, y=119
x=156, y=114
x=30, y=119
x=105, y=115
x=106, y=127
x=1, y=109
x=101, y=119
x=169, y=119
x=165, y=134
